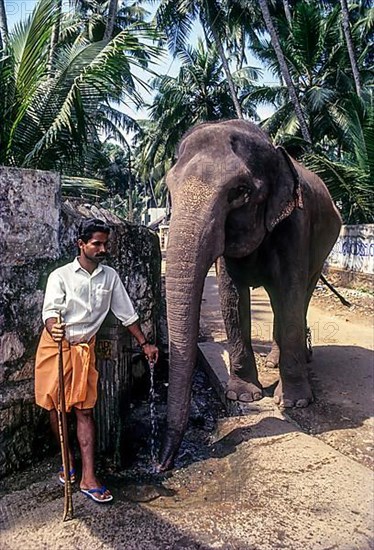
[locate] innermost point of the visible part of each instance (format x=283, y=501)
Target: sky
x=19, y=9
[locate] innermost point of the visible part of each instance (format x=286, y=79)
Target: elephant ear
x=285, y=194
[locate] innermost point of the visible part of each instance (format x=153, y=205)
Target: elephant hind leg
x=272, y=358
x=289, y=395
x=293, y=389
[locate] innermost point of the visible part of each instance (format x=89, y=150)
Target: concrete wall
x=351, y=261
x=354, y=249
x=37, y=234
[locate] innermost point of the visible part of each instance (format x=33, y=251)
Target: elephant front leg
x=243, y=383
x=293, y=389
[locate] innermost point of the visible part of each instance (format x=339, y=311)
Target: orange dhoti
x=80, y=374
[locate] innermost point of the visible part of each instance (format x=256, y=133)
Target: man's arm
x=149, y=350
x=123, y=309
x=54, y=298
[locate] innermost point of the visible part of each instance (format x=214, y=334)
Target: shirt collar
x=77, y=266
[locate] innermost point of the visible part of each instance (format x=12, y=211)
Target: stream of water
x=152, y=407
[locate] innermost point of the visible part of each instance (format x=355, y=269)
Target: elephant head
x=229, y=188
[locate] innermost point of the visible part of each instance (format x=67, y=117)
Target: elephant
x=265, y=220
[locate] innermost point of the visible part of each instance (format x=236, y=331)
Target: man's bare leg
x=53, y=420
x=86, y=439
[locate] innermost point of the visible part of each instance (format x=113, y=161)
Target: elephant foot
x=272, y=359
x=293, y=394
x=240, y=390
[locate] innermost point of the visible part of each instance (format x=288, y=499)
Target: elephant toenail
x=257, y=396
x=246, y=397
x=231, y=395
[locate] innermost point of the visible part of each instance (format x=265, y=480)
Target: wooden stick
x=63, y=431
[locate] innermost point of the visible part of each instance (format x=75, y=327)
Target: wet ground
x=259, y=481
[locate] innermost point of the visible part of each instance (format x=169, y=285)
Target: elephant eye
x=238, y=192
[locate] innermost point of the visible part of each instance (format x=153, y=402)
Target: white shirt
x=84, y=299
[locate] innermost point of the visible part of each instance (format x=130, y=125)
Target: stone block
x=11, y=347
x=30, y=215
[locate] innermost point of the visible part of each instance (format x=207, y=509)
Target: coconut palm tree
x=350, y=46
x=126, y=193
x=350, y=175
x=284, y=69
x=55, y=36
x=112, y=14
x=287, y=11
x=90, y=18
x=3, y=25
x=55, y=122
x=177, y=17
x=319, y=67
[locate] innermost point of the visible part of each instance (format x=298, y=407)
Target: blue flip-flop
x=90, y=493
x=71, y=473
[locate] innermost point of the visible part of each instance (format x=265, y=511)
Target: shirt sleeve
x=54, y=298
x=121, y=304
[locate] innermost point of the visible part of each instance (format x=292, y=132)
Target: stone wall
x=37, y=234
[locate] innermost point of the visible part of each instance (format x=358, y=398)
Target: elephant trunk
x=187, y=266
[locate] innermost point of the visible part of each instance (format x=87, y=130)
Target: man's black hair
x=89, y=226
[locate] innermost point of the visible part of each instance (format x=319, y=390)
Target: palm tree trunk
x=287, y=11
x=3, y=25
x=349, y=41
x=112, y=14
x=55, y=37
x=130, y=214
x=226, y=68
x=284, y=69
x=242, y=49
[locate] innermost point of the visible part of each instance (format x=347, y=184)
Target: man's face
x=96, y=248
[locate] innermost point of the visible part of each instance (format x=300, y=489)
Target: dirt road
x=341, y=371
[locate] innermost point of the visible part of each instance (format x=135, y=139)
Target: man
x=83, y=292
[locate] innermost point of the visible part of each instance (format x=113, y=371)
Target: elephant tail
x=333, y=289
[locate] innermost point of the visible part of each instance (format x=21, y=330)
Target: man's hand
x=55, y=329
x=151, y=352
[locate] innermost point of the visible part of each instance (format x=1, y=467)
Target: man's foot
x=98, y=494
x=61, y=476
